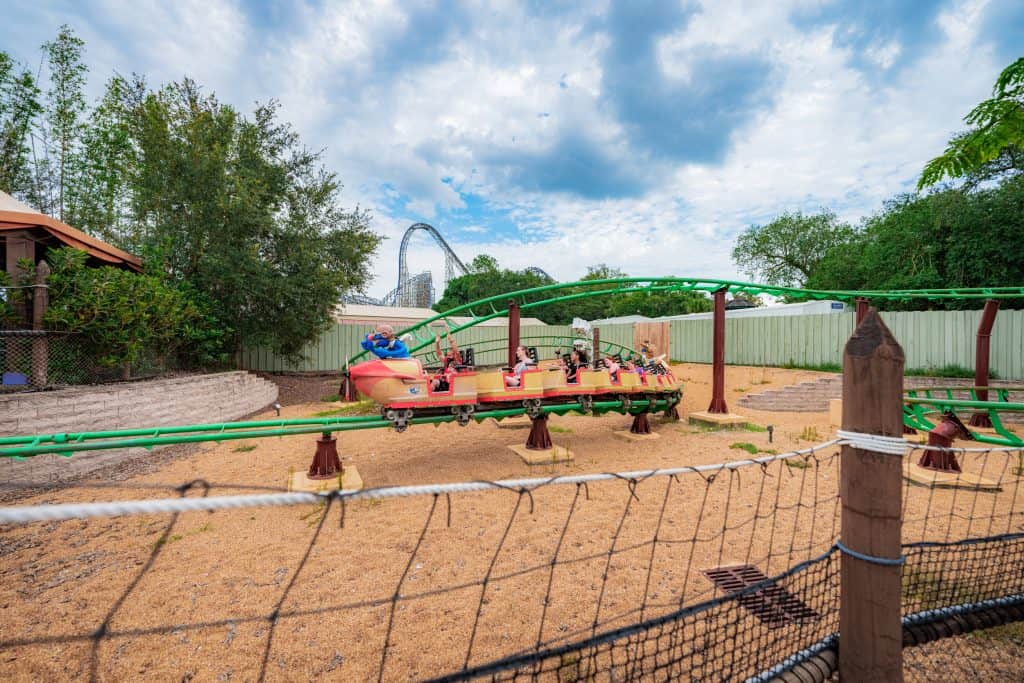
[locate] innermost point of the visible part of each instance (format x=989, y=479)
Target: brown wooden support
x=40, y=345
x=871, y=486
x=513, y=332
x=943, y=436
x=718, y=356
x=981, y=358
x=326, y=463
x=596, y=361
x=862, y=309
x=539, y=438
x=641, y=425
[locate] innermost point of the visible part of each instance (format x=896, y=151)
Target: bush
x=123, y=315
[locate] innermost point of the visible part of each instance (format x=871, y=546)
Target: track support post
x=539, y=438
x=981, y=358
x=326, y=463
x=718, y=356
x=871, y=485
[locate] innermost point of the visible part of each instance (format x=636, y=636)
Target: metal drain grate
x=772, y=603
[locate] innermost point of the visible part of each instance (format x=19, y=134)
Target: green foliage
x=745, y=446
x=946, y=371
x=488, y=279
x=19, y=105
x=121, y=314
x=995, y=143
x=816, y=367
x=944, y=239
x=787, y=250
x=229, y=206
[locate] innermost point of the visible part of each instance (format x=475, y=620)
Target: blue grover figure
x=384, y=344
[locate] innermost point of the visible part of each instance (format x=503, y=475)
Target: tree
x=63, y=115
x=19, y=105
x=995, y=144
x=236, y=207
x=945, y=239
x=137, y=313
x=100, y=199
x=484, y=263
x=786, y=251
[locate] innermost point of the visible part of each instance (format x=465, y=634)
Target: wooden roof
x=15, y=215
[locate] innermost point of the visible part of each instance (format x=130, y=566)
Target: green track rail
x=527, y=299
x=20, y=447
x=920, y=405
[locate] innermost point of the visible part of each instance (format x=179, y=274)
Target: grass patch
x=332, y=398
x=809, y=434
x=744, y=446
x=558, y=429
x=819, y=367
x=364, y=407
x=797, y=464
x=245, y=448
x=751, y=427
x=956, y=371
x=741, y=390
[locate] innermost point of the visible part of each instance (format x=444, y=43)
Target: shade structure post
x=718, y=355
x=40, y=345
x=871, y=641
x=981, y=359
x=513, y=332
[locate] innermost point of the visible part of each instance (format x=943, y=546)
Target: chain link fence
x=44, y=359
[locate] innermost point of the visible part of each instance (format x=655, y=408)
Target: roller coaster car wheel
x=586, y=403
x=463, y=414
x=399, y=419
x=532, y=406
x=627, y=402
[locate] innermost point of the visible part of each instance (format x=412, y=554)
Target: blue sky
x=641, y=134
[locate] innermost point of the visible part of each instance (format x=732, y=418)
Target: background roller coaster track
x=919, y=404
x=67, y=444
x=497, y=306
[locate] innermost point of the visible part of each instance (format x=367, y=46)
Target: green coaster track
x=20, y=447
x=527, y=299
x=920, y=406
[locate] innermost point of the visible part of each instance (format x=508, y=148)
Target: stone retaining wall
x=192, y=399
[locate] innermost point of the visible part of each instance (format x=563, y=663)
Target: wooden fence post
x=871, y=485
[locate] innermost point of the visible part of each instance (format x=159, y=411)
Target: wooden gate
x=655, y=333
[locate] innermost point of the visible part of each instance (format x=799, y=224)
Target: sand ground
x=441, y=582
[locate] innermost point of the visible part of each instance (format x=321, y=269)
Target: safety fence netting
x=713, y=572
x=963, y=579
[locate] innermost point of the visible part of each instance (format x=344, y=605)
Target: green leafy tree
x=19, y=105
x=787, y=250
x=994, y=146
x=940, y=240
x=100, y=199
x=63, y=117
x=122, y=315
x=237, y=207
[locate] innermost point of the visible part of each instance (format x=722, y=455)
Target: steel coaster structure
x=926, y=409
x=418, y=290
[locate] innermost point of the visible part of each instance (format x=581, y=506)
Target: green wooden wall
x=929, y=339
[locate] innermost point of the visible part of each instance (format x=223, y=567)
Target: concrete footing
x=347, y=480
x=547, y=456
x=947, y=480
x=721, y=420
x=630, y=436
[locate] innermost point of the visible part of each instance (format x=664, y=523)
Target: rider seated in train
x=522, y=366
x=613, y=367
x=572, y=366
x=631, y=366
x=384, y=344
x=450, y=360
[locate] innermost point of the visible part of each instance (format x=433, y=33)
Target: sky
x=643, y=135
